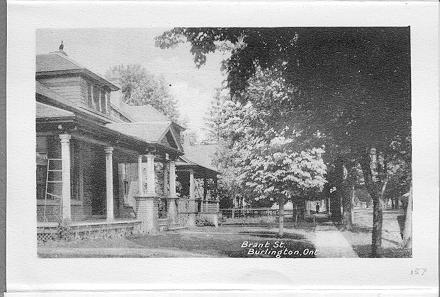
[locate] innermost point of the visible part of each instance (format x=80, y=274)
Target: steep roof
x=200, y=155
x=58, y=62
x=144, y=113
x=147, y=131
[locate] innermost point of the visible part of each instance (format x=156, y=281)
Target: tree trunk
x=281, y=216
x=347, y=209
x=296, y=214
x=352, y=205
x=376, y=238
x=343, y=194
x=378, y=204
x=407, y=231
x=328, y=206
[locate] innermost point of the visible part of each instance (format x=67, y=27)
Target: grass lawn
x=225, y=241
x=237, y=238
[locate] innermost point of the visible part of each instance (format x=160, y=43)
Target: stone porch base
x=86, y=229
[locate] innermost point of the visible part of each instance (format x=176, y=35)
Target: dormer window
x=96, y=101
x=97, y=98
x=89, y=95
x=103, y=102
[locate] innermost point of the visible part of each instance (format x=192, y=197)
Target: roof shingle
x=150, y=132
x=47, y=111
x=144, y=113
x=56, y=62
x=201, y=154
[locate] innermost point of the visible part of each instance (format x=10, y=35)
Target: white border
x=27, y=272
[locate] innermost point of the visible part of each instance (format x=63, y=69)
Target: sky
x=99, y=49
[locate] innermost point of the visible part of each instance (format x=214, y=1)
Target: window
x=42, y=150
x=103, y=102
x=89, y=95
x=107, y=99
x=126, y=188
x=98, y=98
x=96, y=101
x=74, y=170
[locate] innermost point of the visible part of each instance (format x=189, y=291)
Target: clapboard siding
x=68, y=87
x=84, y=90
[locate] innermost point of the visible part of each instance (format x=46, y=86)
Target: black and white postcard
x=222, y=146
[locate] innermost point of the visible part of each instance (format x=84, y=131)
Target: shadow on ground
x=225, y=241
x=269, y=234
x=360, y=239
x=238, y=244
x=364, y=251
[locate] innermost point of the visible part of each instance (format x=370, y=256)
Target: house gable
x=168, y=140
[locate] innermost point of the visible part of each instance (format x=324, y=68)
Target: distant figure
x=61, y=46
x=317, y=207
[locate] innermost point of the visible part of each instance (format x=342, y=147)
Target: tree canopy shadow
x=272, y=234
x=364, y=251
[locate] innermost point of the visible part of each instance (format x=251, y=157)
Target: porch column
x=146, y=203
x=151, y=183
x=192, y=185
x=173, y=179
x=65, y=176
x=109, y=182
x=192, y=208
x=205, y=192
x=216, y=193
x=140, y=177
x=172, y=210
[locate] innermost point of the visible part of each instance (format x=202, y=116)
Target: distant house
x=196, y=165
x=91, y=154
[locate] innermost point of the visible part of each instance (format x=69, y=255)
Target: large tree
x=351, y=84
x=139, y=87
x=262, y=160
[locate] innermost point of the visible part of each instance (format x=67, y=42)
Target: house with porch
x=101, y=167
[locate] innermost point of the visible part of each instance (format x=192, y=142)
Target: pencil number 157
x=418, y=271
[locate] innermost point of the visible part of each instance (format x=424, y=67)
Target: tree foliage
x=263, y=157
x=353, y=82
x=351, y=86
x=139, y=87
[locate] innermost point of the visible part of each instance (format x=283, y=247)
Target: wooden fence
x=255, y=212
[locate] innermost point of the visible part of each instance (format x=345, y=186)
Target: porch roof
x=49, y=97
x=199, y=158
x=47, y=111
x=51, y=103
